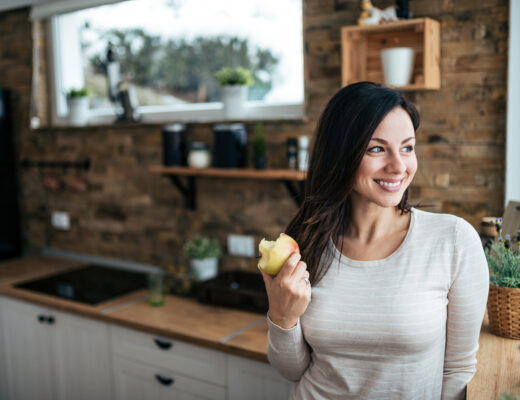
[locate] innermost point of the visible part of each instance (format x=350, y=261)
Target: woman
x=386, y=301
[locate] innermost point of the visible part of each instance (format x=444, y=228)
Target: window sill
x=209, y=113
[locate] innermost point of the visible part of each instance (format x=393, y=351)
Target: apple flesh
x=274, y=254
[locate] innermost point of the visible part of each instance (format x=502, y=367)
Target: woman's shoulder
x=452, y=225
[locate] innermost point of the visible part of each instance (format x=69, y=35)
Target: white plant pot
x=204, y=268
x=397, y=65
x=234, y=98
x=78, y=111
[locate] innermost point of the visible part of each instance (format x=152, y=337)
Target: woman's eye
x=376, y=149
x=408, y=149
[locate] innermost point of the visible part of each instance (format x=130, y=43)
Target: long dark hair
x=342, y=136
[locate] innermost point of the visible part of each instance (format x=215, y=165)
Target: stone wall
x=131, y=214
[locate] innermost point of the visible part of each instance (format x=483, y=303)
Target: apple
x=274, y=254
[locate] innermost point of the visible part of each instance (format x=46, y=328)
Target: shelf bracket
x=296, y=193
x=188, y=191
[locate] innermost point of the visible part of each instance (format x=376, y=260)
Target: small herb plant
x=259, y=141
x=78, y=93
x=236, y=76
x=504, y=261
x=202, y=247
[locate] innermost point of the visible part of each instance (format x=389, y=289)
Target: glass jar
x=199, y=155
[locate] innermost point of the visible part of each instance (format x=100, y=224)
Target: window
x=168, y=51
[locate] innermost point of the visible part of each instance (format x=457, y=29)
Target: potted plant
x=78, y=103
x=234, y=84
x=504, y=290
x=259, y=147
x=203, y=254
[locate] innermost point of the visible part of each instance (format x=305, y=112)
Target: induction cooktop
x=91, y=284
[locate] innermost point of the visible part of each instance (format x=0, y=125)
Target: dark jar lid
x=198, y=146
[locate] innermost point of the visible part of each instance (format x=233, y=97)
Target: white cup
x=397, y=65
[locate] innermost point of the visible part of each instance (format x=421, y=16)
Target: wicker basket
x=503, y=307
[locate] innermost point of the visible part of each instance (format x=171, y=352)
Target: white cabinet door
x=82, y=358
x=28, y=352
x=253, y=380
x=139, y=381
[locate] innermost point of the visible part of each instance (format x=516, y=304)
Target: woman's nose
x=395, y=164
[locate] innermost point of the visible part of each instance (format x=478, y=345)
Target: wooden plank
x=390, y=26
x=431, y=61
x=268, y=174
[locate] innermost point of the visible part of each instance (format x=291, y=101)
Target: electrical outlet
x=241, y=245
x=60, y=220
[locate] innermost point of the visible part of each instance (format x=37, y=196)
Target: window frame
x=197, y=112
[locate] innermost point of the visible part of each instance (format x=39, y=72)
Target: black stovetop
x=91, y=284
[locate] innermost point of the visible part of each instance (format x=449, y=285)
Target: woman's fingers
x=289, y=266
x=267, y=278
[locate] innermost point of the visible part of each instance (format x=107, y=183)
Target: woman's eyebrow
x=385, y=142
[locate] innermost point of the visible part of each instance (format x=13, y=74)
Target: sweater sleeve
x=287, y=350
x=467, y=299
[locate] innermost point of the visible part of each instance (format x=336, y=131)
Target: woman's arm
x=467, y=299
x=287, y=350
x=289, y=294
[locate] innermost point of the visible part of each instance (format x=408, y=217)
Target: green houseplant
x=78, y=104
x=203, y=254
x=234, y=83
x=504, y=289
x=259, y=147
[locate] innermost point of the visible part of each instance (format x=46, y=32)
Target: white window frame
x=198, y=112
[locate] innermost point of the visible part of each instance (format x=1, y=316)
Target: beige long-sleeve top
x=404, y=327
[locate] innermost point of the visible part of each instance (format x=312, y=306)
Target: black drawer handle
x=163, y=344
x=41, y=318
x=164, y=380
x=50, y=320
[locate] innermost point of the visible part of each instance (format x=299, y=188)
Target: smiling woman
x=397, y=294
x=169, y=52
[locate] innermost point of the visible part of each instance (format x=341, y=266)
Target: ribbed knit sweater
x=403, y=327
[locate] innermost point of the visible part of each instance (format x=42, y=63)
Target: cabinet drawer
x=139, y=381
x=181, y=357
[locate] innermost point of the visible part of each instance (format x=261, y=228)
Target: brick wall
x=131, y=214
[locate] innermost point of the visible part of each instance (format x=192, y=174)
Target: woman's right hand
x=289, y=293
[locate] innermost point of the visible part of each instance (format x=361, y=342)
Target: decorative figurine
x=371, y=15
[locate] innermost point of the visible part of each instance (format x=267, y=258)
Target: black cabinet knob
x=41, y=319
x=163, y=344
x=163, y=380
x=50, y=320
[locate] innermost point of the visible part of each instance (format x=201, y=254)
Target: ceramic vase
x=234, y=98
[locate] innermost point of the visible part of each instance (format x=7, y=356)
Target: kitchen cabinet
x=253, y=380
x=54, y=355
x=146, y=366
x=3, y=366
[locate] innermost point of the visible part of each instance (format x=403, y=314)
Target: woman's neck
x=370, y=222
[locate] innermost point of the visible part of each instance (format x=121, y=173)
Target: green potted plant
x=259, y=147
x=234, y=83
x=78, y=104
x=203, y=254
x=504, y=289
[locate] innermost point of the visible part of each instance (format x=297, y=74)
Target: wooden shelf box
x=361, y=47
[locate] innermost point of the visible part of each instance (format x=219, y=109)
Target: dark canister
x=174, y=145
x=230, y=146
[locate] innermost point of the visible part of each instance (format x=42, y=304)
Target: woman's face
x=389, y=163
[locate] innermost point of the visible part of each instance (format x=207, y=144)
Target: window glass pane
x=170, y=50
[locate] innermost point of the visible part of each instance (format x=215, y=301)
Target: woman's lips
x=390, y=185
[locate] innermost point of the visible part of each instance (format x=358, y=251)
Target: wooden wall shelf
x=188, y=190
x=361, y=46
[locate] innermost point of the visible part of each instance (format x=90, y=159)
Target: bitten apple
x=275, y=253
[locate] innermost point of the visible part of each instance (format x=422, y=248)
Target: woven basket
x=503, y=307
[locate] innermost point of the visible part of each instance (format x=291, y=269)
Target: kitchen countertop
x=231, y=331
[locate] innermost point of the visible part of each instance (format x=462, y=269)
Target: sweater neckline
x=373, y=263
